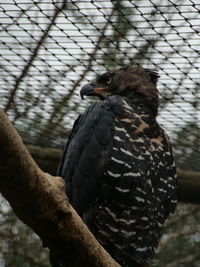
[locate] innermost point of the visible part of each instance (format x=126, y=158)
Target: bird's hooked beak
x=87, y=90
x=91, y=90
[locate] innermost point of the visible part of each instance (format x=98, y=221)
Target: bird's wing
x=167, y=185
x=86, y=154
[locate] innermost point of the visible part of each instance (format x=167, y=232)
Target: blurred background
x=49, y=49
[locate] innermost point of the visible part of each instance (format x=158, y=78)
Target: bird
x=118, y=165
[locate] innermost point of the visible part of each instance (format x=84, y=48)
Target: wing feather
x=86, y=154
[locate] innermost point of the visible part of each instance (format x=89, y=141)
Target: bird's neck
x=143, y=106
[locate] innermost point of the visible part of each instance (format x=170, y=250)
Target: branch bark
x=189, y=186
x=39, y=200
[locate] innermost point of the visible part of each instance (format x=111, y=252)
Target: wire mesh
x=49, y=49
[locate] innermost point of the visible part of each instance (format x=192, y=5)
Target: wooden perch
x=39, y=200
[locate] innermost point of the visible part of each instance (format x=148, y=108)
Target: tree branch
x=39, y=200
x=189, y=186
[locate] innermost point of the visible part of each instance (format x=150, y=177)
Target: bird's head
x=134, y=83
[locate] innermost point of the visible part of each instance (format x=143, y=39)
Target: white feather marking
x=140, y=157
x=162, y=190
x=118, y=138
x=122, y=190
x=103, y=232
x=174, y=201
x=127, y=234
x=141, y=249
x=125, y=104
x=139, y=199
x=126, y=120
x=144, y=218
x=120, y=129
x=114, y=174
x=121, y=162
x=171, y=186
x=127, y=222
x=112, y=214
x=112, y=228
x=163, y=180
x=126, y=152
x=140, y=190
x=133, y=174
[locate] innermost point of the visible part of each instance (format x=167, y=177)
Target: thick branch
x=38, y=199
x=188, y=186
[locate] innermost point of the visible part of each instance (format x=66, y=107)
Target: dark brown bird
x=118, y=165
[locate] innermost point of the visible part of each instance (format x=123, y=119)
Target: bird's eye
x=109, y=80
